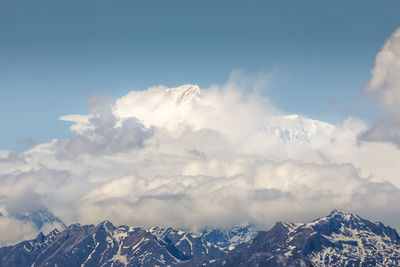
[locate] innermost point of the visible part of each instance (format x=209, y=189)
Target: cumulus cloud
x=385, y=87
x=24, y=197
x=189, y=157
x=98, y=132
x=12, y=230
x=385, y=80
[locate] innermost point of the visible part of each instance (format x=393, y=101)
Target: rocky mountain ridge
x=339, y=239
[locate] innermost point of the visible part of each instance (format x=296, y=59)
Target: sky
x=54, y=55
x=192, y=114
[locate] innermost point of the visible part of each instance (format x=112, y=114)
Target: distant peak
x=40, y=235
x=340, y=213
x=185, y=87
x=185, y=94
x=280, y=225
x=335, y=211
x=106, y=223
x=73, y=226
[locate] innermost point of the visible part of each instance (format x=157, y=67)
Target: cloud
x=385, y=80
x=99, y=132
x=81, y=123
x=189, y=157
x=12, y=230
x=22, y=196
x=385, y=87
x=267, y=191
x=385, y=130
x=12, y=157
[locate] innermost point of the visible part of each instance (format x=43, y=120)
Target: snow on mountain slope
x=296, y=128
x=340, y=239
x=355, y=241
x=170, y=108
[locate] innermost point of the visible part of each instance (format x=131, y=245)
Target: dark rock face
x=26, y=252
x=340, y=239
x=108, y=245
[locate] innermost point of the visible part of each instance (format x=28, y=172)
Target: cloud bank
x=189, y=157
x=385, y=87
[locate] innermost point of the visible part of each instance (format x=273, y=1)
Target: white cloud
x=12, y=230
x=81, y=123
x=189, y=157
x=385, y=86
x=385, y=80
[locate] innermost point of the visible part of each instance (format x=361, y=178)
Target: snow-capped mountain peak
x=187, y=94
x=339, y=239
x=296, y=128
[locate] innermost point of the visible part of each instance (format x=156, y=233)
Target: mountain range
x=339, y=239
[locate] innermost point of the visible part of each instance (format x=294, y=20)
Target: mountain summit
x=339, y=239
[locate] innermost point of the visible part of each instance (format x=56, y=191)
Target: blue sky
x=54, y=55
